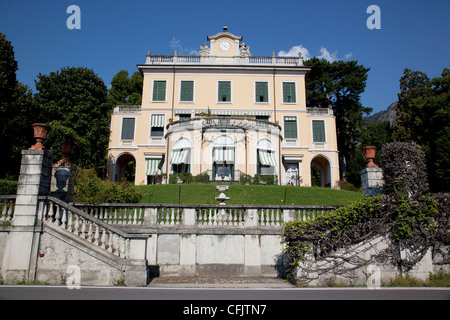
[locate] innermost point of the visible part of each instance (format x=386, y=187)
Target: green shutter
x=224, y=91
x=289, y=92
x=290, y=127
x=318, y=131
x=159, y=90
x=127, y=128
x=262, y=92
x=187, y=91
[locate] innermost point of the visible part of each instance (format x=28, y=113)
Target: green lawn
x=246, y=194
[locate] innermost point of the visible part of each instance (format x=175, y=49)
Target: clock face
x=224, y=46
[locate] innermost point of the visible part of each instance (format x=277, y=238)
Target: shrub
x=244, y=178
x=264, y=179
x=187, y=177
x=8, y=187
x=404, y=170
x=202, y=177
x=89, y=188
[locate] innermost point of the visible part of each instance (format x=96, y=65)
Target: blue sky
x=116, y=35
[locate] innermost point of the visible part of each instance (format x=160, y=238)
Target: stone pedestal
x=34, y=181
x=371, y=181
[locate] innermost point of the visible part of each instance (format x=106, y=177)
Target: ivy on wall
x=406, y=214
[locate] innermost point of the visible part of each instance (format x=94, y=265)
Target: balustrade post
x=288, y=215
x=150, y=216
x=251, y=218
x=189, y=217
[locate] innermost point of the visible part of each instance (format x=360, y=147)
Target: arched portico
x=125, y=167
x=320, y=171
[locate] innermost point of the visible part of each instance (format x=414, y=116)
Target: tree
x=125, y=90
x=338, y=85
x=17, y=113
x=423, y=116
x=74, y=100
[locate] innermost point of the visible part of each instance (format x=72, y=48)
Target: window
x=290, y=127
x=157, y=125
x=289, y=92
x=128, y=129
x=159, y=90
x=224, y=91
x=187, y=91
x=261, y=92
x=318, y=131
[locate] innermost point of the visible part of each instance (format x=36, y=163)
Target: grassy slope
x=247, y=194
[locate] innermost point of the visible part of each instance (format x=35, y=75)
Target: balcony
x=222, y=123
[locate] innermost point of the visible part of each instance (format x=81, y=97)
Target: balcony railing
x=251, y=60
x=205, y=123
x=202, y=214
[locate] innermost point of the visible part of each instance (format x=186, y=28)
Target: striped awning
x=267, y=158
x=153, y=167
x=223, y=155
x=179, y=156
x=158, y=120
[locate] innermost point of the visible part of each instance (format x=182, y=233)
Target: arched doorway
x=320, y=172
x=125, y=168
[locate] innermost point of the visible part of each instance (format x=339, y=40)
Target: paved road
x=232, y=294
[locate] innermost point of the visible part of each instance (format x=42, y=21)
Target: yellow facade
x=224, y=113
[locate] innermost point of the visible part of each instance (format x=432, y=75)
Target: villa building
x=224, y=114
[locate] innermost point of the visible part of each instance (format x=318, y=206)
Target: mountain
x=388, y=115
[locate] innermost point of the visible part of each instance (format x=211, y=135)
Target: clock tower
x=224, y=44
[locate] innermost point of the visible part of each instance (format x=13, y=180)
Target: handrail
x=205, y=214
x=223, y=122
x=85, y=226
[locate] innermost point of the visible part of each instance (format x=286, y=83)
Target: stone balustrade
x=88, y=227
x=7, y=204
x=251, y=60
x=201, y=215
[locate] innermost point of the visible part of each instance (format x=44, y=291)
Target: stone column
x=34, y=181
x=371, y=175
x=371, y=181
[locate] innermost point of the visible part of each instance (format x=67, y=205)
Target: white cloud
x=293, y=52
x=175, y=44
x=324, y=53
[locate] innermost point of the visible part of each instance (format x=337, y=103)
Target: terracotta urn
x=66, y=150
x=40, y=134
x=369, y=154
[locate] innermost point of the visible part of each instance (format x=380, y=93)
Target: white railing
x=85, y=226
x=205, y=215
x=7, y=204
x=255, y=60
x=222, y=123
x=319, y=111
